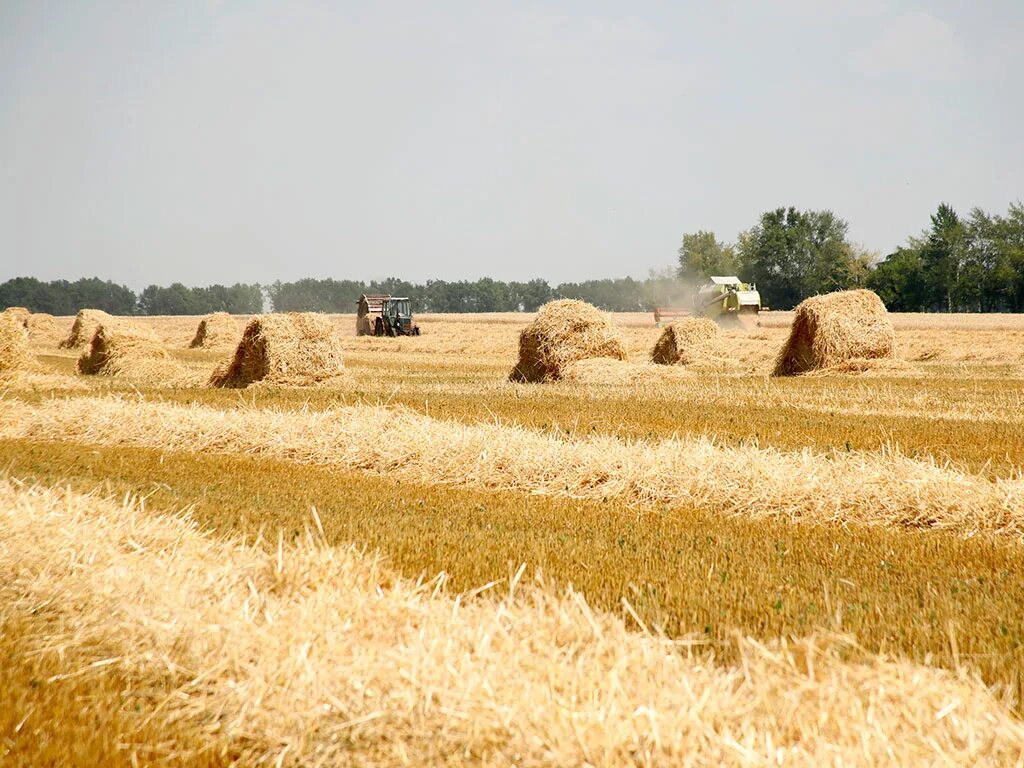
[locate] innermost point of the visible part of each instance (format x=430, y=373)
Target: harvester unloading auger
x=726, y=297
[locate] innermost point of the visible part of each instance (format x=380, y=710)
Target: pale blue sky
x=253, y=141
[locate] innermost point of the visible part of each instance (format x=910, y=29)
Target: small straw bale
x=84, y=328
x=215, y=330
x=292, y=349
x=688, y=341
x=122, y=348
x=564, y=332
x=835, y=328
x=15, y=354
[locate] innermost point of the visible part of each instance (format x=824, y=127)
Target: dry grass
x=883, y=488
x=214, y=331
x=293, y=349
x=564, y=332
x=688, y=341
x=307, y=655
x=836, y=328
x=15, y=354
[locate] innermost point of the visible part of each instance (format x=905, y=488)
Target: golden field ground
x=817, y=570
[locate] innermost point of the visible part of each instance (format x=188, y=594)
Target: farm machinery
x=385, y=315
x=725, y=297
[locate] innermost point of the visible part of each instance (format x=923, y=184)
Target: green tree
x=941, y=256
x=899, y=281
x=702, y=255
x=793, y=254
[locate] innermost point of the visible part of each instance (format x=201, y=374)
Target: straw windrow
x=858, y=487
x=300, y=654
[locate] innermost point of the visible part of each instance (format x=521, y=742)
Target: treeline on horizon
x=957, y=264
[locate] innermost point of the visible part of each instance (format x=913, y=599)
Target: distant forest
x=957, y=264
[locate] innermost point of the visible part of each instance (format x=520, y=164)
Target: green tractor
x=383, y=315
x=725, y=297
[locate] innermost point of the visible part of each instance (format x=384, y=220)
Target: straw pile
x=688, y=341
x=302, y=654
x=868, y=488
x=563, y=332
x=122, y=348
x=293, y=349
x=835, y=328
x=84, y=328
x=215, y=330
x=15, y=355
x=18, y=314
x=41, y=326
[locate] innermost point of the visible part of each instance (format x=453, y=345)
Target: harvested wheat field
x=427, y=561
x=834, y=329
x=564, y=332
x=296, y=349
x=218, y=329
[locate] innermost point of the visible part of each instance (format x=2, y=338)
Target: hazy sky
x=253, y=141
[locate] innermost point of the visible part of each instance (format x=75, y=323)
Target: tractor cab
x=397, y=316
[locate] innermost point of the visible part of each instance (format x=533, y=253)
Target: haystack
x=216, y=330
x=564, y=332
x=18, y=314
x=40, y=325
x=835, y=328
x=294, y=349
x=15, y=355
x=122, y=348
x=84, y=328
x=688, y=341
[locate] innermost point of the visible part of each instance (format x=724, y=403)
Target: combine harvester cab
x=384, y=315
x=726, y=297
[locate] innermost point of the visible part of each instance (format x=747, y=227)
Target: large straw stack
x=218, y=329
x=18, y=314
x=15, y=355
x=84, y=328
x=41, y=326
x=564, y=332
x=122, y=348
x=834, y=329
x=688, y=341
x=293, y=349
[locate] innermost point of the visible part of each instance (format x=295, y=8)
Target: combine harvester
x=727, y=299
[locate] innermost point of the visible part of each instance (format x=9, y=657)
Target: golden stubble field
x=423, y=562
